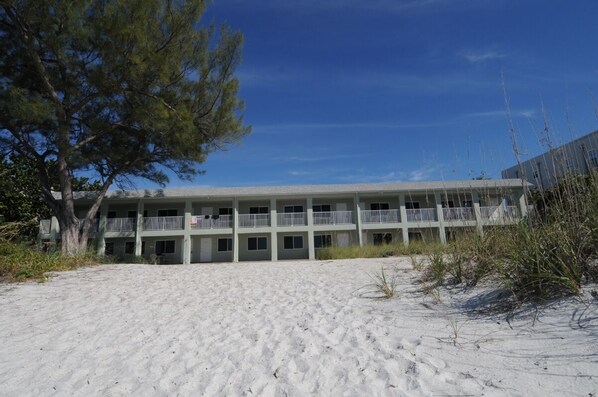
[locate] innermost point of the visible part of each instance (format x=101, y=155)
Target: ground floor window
x=109, y=248
x=293, y=242
x=257, y=243
x=225, y=244
x=323, y=241
x=382, y=238
x=130, y=247
x=165, y=247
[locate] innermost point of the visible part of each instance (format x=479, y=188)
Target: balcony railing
x=254, y=220
x=44, y=226
x=292, y=219
x=333, y=218
x=163, y=223
x=121, y=224
x=458, y=214
x=380, y=216
x=421, y=215
x=500, y=213
x=211, y=222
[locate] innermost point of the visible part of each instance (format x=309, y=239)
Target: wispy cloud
x=482, y=56
x=502, y=113
x=423, y=173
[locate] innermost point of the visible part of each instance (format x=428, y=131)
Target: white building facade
x=290, y=222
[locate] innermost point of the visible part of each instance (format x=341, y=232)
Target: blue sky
x=348, y=91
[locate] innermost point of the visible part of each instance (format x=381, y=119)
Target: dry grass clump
x=384, y=285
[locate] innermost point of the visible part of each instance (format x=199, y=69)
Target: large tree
x=119, y=89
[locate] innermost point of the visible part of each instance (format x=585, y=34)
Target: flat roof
x=303, y=190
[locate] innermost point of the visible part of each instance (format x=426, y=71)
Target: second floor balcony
x=121, y=224
x=333, y=218
x=421, y=215
x=292, y=219
x=211, y=222
x=458, y=214
x=254, y=220
x=380, y=216
x=163, y=223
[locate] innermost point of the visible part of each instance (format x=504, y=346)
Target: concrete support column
x=235, y=230
x=475, y=199
x=187, y=232
x=54, y=232
x=311, y=249
x=139, y=228
x=523, y=204
x=101, y=249
x=440, y=215
x=274, y=233
x=358, y=220
x=403, y=214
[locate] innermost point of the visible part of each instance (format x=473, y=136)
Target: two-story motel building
x=194, y=225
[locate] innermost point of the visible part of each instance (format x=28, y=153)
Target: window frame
x=382, y=240
x=169, y=212
x=293, y=238
x=165, y=244
x=259, y=210
x=257, y=243
x=109, y=251
x=412, y=205
x=319, y=208
x=380, y=204
x=229, y=244
x=324, y=238
x=293, y=208
x=128, y=243
x=225, y=211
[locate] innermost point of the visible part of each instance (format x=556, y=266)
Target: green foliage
x=19, y=262
x=374, y=251
x=114, y=89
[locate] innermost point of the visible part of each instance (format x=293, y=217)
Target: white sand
x=280, y=329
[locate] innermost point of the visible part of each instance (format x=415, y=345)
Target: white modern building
x=579, y=156
x=290, y=222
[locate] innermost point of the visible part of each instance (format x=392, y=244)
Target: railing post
x=139, y=228
x=273, y=233
x=235, y=230
x=187, y=232
x=358, y=220
x=101, y=244
x=523, y=204
x=475, y=199
x=310, y=230
x=440, y=215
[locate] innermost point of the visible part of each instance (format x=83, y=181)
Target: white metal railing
x=292, y=219
x=333, y=218
x=254, y=220
x=458, y=214
x=44, y=226
x=163, y=223
x=421, y=215
x=380, y=216
x=120, y=224
x=500, y=213
x=211, y=221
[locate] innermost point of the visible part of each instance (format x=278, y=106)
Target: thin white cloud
x=529, y=113
x=423, y=173
x=482, y=56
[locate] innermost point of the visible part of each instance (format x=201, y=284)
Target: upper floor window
x=259, y=210
x=168, y=212
x=293, y=208
x=379, y=206
x=321, y=208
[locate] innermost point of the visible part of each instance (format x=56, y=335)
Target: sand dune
x=280, y=329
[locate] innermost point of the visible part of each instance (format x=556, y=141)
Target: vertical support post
x=273, y=233
x=440, y=215
x=358, y=220
x=523, y=204
x=475, y=199
x=187, y=233
x=101, y=249
x=235, y=230
x=403, y=213
x=139, y=228
x=54, y=232
x=311, y=249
